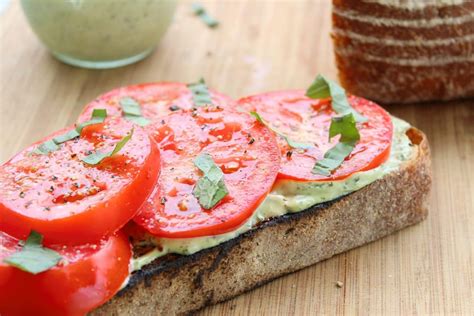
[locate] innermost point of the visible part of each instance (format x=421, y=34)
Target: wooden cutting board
x=261, y=46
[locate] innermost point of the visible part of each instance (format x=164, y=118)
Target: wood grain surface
x=262, y=46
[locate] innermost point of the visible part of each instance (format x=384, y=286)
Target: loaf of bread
x=403, y=51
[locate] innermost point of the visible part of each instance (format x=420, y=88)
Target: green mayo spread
x=292, y=196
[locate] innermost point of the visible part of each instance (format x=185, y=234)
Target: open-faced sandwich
x=164, y=198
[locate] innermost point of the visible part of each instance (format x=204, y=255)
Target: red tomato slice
x=246, y=152
x=307, y=120
x=70, y=202
x=88, y=276
x=156, y=100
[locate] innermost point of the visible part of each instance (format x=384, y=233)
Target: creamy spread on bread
x=290, y=197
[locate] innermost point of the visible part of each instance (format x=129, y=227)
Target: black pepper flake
x=194, y=113
x=174, y=107
x=54, y=178
x=162, y=122
x=22, y=194
x=251, y=141
x=51, y=189
x=163, y=200
x=289, y=153
x=47, y=209
x=76, y=185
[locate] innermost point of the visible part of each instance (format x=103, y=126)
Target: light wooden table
x=261, y=46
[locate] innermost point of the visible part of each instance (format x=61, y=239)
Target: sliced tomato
x=86, y=277
x=307, y=120
x=71, y=202
x=156, y=100
x=246, y=152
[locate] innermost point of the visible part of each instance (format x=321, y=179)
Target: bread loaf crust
x=175, y=285
x=393, y=54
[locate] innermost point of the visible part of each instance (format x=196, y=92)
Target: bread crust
x=176, y=285
x=394, y=54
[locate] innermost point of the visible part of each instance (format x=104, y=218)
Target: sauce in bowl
x=99, y=34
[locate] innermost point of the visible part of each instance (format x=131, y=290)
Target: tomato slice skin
x=156, y=100
x=70, y=202
x=246, y=152
x=93, y=274
x=307, y=120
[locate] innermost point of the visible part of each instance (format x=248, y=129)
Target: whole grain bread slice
x=174, y=285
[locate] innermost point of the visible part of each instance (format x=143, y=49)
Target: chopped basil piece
x=334, y=157
x=325, y=88
x=210, y=188
x=33, y=257
x=98, y=156
x=66, y=136
x=98, y=116
x=132, y=111
x=344, y=126
x=201, y=12
x=290, y=142
x=201, y=96
x=46, y=147
x=139, y=120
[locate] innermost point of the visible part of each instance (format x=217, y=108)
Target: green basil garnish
x=344, y=126
x=290, y=142
x=334, y=157
x=132, y=111
x=66, y=136
x=33, y=257
x=201, y=96
x=201, y=12
x=210, y=188
x=98, y=116
x=46, y=147
x=97, y=156
x=325, y=88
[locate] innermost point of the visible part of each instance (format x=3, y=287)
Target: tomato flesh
x=70, y=202
x=86, y=277
x=307, y=120
x=156, y=100
x=246, y=152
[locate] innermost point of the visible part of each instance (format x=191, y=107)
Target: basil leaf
x=33, y=257
x=201, y=12
x=290, y=142
x=344, y=126
x=333, y=158
x=139, y=120
x=132, y=111
x=210, y=188
x=98, y=116
x=201, y=96
x=325, y=88
x=66, y=136
x=98, y=156
x=130, y=106
x=46, y=147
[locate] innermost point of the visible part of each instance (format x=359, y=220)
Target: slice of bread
x=395, y=51
x=177, y=284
